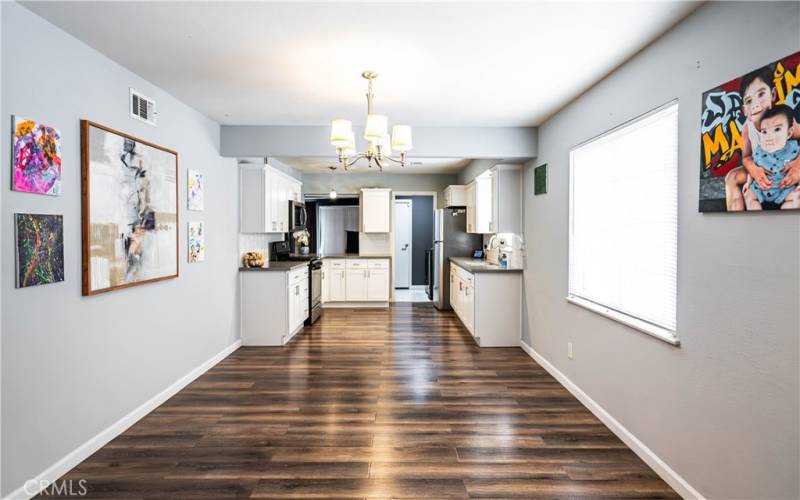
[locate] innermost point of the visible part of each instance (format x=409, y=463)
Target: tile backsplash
x=511, y=244
x=256, y=242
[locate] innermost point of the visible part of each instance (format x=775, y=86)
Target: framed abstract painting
x=130, y=210
x=197, y=242
x=194, y=190
x=39, y=245
x=36, y=162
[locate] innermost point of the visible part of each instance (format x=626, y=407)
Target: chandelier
x=379, y=146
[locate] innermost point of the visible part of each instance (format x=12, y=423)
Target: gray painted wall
x=722, y=409
x=432, y=142
x=3, y=241
x=474, y=169
x=352, y=183
x=73, y=365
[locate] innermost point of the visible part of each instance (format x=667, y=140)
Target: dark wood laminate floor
x=371, y=404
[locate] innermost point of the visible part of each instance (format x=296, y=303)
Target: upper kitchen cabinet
x=455, y=196
x=265, y=193
x=506, y=186
x=494, y=201
x=376, y=214
x=479, y=205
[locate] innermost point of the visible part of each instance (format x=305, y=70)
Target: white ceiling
x=413, y=166
x=440, y=64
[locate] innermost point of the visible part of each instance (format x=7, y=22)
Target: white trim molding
x=678, y=483
x=84, y=451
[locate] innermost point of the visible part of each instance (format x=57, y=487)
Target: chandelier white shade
x=376, y=133
x=376, y=128
x=341, y=133
x=401, y=138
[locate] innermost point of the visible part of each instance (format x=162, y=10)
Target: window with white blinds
x=623, y=223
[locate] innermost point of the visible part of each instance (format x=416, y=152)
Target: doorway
x=403, y=240
x=413, y=226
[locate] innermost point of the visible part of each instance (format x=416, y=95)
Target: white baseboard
x=680, y=485
x=84, y=451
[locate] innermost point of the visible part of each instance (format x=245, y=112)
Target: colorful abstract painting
x=39, y=249
x=196, y=186
x=197, y=244
x=130, y=210
x=750, y=141
x=36, y=158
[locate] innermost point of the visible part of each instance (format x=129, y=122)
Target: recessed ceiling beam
x=511, y=143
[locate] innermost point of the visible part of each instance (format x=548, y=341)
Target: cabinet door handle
x=297, y=290
x=460, y=285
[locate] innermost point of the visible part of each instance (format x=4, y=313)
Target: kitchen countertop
x=481, y=266
x=355, y=256
x=283, y=265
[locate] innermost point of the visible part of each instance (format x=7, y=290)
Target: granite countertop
x=283, y=265
x=355, y=256
x=481, y=266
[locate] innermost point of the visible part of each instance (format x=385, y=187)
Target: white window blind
x=623, y=238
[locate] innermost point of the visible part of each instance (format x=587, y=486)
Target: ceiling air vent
x=143, y=108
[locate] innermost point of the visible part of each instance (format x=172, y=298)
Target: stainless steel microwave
x=297, y=216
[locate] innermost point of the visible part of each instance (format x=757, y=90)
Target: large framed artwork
x=130, y=210
x=39, y=245
x=750, y=141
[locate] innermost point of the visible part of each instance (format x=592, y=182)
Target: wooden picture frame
x=133, y=205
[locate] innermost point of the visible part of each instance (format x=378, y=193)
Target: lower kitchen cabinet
x=336, y=280
x=356, y=280
x=274, y=305
x=356, y=285
x=489, y=305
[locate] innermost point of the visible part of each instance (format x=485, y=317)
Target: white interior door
x=402, y=243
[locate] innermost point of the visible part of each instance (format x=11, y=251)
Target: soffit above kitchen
x=460, y=64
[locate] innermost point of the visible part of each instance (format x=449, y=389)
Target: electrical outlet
x=569, y=350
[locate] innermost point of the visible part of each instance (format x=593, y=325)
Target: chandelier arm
x=350, y=161
x=401, y=162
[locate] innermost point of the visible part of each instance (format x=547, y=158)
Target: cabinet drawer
x=298, y=275
x=336, y=263
x=357, y=263
x=378, y=264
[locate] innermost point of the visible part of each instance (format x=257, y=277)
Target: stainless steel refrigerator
x=450, y=239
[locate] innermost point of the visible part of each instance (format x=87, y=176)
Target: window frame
x=657, y=331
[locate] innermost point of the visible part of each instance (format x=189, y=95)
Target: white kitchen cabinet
x=471, y=187
x=506, y=195
x=356, y=280
x=479, y=204
x=337, y=279
x=298, y=303
x=489, y=305
x=325, y=281
x=467, y=305
x=455, y=196
x=375, y=210
x=274, y=305
x=356, y=285
x=255, y=213
x=264, y=196
x=378, y=285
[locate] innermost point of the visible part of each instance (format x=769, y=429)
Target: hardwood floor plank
x=371, y=403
